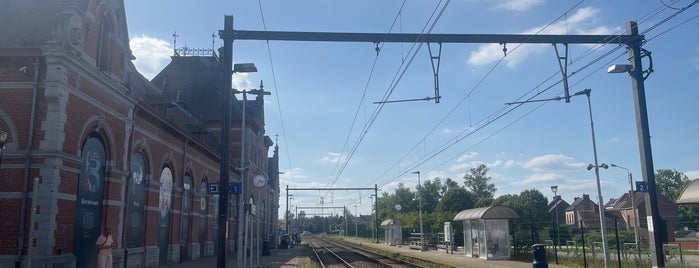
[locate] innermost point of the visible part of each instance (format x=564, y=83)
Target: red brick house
x=583, y=212
x=107, y=147
x=623, y=206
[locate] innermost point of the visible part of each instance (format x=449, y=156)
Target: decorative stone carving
x=69, y=30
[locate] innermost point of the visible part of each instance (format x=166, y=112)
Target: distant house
x=623, y=206
x=557, y=210
x=583, y=212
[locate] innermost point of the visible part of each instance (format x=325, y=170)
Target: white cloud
x=334, y=158
x=241, y=81
x=578, y=23
x=151, y=54
x=290, y=176
x=468, y=156
x=502, y=163
x=538, y=178
x=518, y=5
x=692, y=175
x=552, y=162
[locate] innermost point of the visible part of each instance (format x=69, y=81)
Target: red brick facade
x=68, y=64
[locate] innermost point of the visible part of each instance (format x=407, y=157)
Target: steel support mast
x=633, y=40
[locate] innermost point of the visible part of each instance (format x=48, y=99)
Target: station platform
x=286, y=258
x=298, y=257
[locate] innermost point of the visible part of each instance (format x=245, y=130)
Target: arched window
x=203, y=222
x=88, y=207
x=104, y=43
x=164, y=202
x=186, y=211
x=136, y=202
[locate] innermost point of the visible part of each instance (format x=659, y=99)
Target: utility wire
x=478, y=84
x=388, y=93
x=363, y=98
x=584, y=78
x=279, y=106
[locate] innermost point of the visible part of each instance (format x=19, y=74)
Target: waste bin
x=539, y=256
x=265, y=248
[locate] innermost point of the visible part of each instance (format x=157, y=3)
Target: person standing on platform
x=104, y=244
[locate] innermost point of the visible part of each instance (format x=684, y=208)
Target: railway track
x=332, y=253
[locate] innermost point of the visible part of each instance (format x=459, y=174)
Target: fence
x=578, y=246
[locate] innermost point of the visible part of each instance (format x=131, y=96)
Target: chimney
x=586, y=196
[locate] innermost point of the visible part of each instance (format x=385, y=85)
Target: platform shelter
x=393, y=231
x=487, y=232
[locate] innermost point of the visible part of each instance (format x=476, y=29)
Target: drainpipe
x=184, y=193
x=27, y=164
x=126, y=187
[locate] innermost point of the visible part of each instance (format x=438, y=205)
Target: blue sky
x=320, y=88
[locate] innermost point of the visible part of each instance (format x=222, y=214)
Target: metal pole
x=632, y=195
x=419, y=201
x=618, y=246
x=286, y=214
x=225, y=140
x=582, y=236
x=655, y=224
x=603, y=227
x=242, y=202
x=356, y=226
x=558, y=236
x=376, y=211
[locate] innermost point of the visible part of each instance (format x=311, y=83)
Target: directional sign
x=213, y=188
x=641, y=186
x=236, y=188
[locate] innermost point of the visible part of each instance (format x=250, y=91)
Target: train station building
x=89, y=143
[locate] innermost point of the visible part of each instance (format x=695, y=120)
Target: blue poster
x=88, y=207
x=164, y=201
x=136, y=201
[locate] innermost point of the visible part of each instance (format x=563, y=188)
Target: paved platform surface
x=457, y=259
x=286, y=258
x=297, y=258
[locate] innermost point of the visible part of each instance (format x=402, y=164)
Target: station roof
x=494, y=212
x=690, y=194
x=391, y=222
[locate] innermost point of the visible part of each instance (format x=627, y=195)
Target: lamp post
x=419, y=202
x=596, y=166
x=243, y=169
x=554, y=189
x=632, y=196
x=227, y=71
x=356, y=224
x=374, y=235
x=287, y=209
x=635, y=70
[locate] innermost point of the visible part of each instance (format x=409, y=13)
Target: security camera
x=23, y=69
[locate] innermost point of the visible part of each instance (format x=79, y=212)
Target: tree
x=670, y=182
x=406, y=198
x=430, y=192
x=455, y=200
x=478, y=182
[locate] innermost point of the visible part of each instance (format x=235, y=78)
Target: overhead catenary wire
x=363, y=98
x=408, y=169
x=466, y=97
x=510, y=52
x=388, y=93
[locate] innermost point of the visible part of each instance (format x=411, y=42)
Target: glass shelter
x=487, y=232
x=393, y=230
